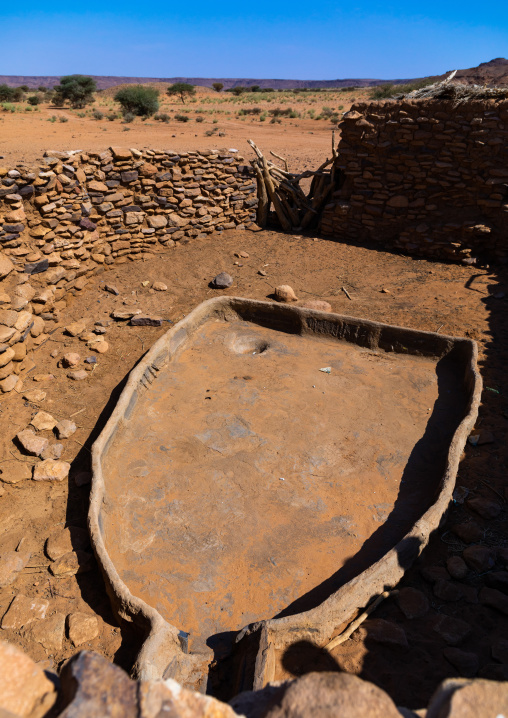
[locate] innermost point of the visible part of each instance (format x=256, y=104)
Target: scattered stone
x=285, y=293
x=452, y=630
x=479, y=558
x=51, y=470
x=242, y=255
x=262, y=273
x=70, y=359
x=15, y=472
x=71, y=563
x=412, y=603
x=495, y=599
x=486, y=508
x=82, y=628
x=465, y=662
x=142, y=320
x=83, y=478
x=434, y=573
x=76, y=328
x=448, y=591
x=43, y=421
x=23, y=610
x=78, y=375
x=25, y=691
x=67, y=540
x=97, y=687
x=169, y=698
x=457, y=567
x=98, y=345
x=223, y=280
x=464, y=698
x=318, y=305
x=160, y=287
x=120, y=314
x=32, y=444
x=43, y=377
x=9, y=383
x=111, y=289
x=386, y=632
x=53, y=451
x=11, y=563
x=65, y=428
x=50, y=633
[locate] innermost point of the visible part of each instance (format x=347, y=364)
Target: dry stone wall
x=426, y=177
x=77, y=212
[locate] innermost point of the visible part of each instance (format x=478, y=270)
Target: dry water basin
x=272, y=468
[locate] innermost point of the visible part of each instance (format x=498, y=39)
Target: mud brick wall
x=426, y=177
x=78, y=212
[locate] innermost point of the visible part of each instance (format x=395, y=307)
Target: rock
x=51, y=470
x=23, y=610
x=98, y=345
x=92, y=686
x=486, y=508
x=76, y=328
x=497, y=579
x=37, y=328
x=65, y=428
x=6, y=266
x=121, y=153
x=160, y=287
x=32, y=444
x=87, y=224
x=466, y=663
x=49, y=633
x=24, y=689
x=83, y=478
x=70, y=359
x=142, y=320
x=43, y=377
x=96, y=186
x=285, y=293
x=452, y=630
x=463, y=698
x=494, y=672
x=479, y=558
x=434, y=573
x=500, y=650
x=72, y=538
x=7, y=356
x=448, y=591
x=43, y=421
x=82, y=628
x=333, y=695
x=111, y=289
x=157, y=221
x=457, y=567
x=412, y=603
x=398, y=201
x=169, y=698
x=78, y=375
x=11, y=563
x=223, y=280
x=386, y=632
x=120, y=314
x=53, y=451
x=494, y=599
x=318, y=305
x=15, y=471
x=9, y=383
x=71, y=563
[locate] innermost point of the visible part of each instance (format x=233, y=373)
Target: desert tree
x=182, y=89
x=217, y=86
x=77, y=89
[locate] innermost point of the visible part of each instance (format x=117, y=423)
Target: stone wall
x=62, y=222
x=429, y=178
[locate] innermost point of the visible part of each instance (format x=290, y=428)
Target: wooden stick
x=346, y=293
x=358, y=621
x=282, y=159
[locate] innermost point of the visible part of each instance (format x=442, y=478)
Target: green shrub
x=138, y=100
x=34, y=100
x=182, y=118
x=112, y=116
x=63, y=118
x=81, y=114
x=28, y=108
x=162, y=117
x=217, y=86
x=200, y=118
x=98, y=115
x=52, y=118
x=128, y=117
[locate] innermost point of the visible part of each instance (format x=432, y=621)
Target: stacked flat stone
x=77, y=212
x=425, y=176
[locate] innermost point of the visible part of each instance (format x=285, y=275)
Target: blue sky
x=265, y=39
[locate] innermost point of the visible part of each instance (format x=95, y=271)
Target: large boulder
x=24, y=688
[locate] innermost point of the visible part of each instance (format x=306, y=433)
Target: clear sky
x=262, y=39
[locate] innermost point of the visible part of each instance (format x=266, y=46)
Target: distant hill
x=490, y=73
x=106, y=81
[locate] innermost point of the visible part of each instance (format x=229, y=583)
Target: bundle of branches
x=459, y=93
x=295, y=209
